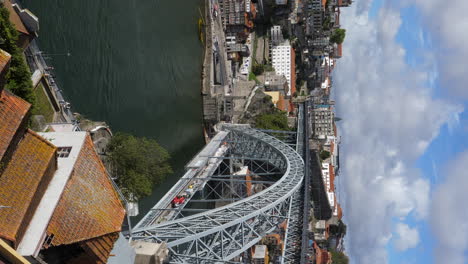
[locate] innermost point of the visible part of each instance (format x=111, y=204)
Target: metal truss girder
x=223, y=233
x=277, y=131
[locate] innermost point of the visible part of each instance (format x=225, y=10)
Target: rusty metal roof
x=23, y=182
x=12, y=111
x=89, y=207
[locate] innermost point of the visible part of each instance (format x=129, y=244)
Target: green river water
x=134, y=64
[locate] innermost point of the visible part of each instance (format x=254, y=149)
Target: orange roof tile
x=15, y=19
x=324, y=2
x=99, y=248
x=321, y=255
x=89, y=206
x=281, y=105
x=23, y=182
x=12, y=112
x=4, y=60
x=4, y=65
x=340, y=212
x=332, y=178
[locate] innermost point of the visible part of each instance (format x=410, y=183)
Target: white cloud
x=454, y=122
x=407, y=237
x=449, y=213
x=389, y=119
x=448, y=23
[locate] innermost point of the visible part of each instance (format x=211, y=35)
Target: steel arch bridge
x=221, y=234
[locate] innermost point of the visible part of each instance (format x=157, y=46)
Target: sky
x=401, y=92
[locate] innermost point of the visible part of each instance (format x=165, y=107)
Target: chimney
x=4, y=65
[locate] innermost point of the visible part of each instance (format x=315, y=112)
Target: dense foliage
x=275, y=121
x=338, y=230
x=258, y=69
x=339, y=257
x=324, y=154
x=338, y=36
x=19, y=76
x=137, y=164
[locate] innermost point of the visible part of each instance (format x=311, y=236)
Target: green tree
x=252, y=77
x=339, y=257
x=18, y=79
x=338, y=230
x=137, y=164
x=324, y=154
x=275, y=121
x=258, y=69
x=326, y=23
x=338, y=36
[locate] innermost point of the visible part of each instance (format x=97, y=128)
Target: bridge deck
x=198, y=169
x=226, y=232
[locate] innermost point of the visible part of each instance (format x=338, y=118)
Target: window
x=63, y=152
x=48, y=240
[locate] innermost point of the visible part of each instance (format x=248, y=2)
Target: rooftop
x=12, y=111
x=260, y=252
x=101, y=247
x=89, y=207
x=4, y=60
x=15, y=19
x=33, y=237
x=21, y=181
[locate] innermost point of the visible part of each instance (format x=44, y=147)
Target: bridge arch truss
x=221, y=234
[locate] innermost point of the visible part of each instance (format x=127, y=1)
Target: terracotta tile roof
x=332, y=178
x=89, y=206
x=4, y=65
x=281, y=103
x=340, y=212
x=324, y=2
x=12, y=111
x=23, y=183
x=321, y=255
x=15, y=19
x=4, y=60
x=99, y=248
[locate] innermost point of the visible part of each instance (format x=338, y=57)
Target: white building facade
x=281, y=61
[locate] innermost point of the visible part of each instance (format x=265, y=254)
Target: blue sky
x=401, y=94
x=452, y=140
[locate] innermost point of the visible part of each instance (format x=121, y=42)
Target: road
x=219, y=40
x=37, y=61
